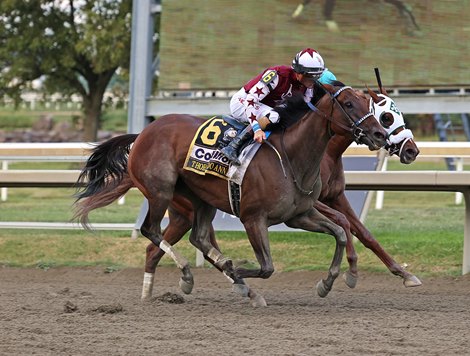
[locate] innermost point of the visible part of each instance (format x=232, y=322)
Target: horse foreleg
x=314, y=221
x=203, y=237
x=225, y=265
x=350, y=276
x=366, y=238
x=257, y=232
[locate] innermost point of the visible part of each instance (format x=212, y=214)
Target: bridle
x=397, y=148
x=397, y=133
x=356, y=131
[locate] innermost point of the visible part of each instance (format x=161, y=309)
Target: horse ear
x=373, y=95
x=383, y=91
x=360, y=93
x=328, y=87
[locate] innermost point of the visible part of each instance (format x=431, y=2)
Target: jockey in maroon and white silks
x=257, y=98
x=255, y=101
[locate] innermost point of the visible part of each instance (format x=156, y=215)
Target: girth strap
x=234, y=196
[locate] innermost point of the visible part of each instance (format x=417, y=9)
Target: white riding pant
x=238, y=108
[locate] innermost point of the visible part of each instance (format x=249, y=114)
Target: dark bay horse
x=332, y=201
x=269, y=196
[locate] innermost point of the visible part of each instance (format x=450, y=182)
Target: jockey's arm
x=256, y=112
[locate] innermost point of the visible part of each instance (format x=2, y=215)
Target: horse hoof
x=350, y=279
x=258, y=301
x=186, y=287
x=145, y=298
x=241, y=289
x=412, y=281
x=146, y=294
x=322, y=290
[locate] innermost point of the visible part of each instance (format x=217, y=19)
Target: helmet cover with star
x=308, y=62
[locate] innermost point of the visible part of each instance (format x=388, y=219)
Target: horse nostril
x=379, y=136
x=411, y=152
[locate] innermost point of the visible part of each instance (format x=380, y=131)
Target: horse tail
x=104, y=177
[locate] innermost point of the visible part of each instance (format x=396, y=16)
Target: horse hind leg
x=174, y=232
x=203, y=237
x=152, y=230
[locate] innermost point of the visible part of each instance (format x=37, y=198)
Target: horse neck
x=306, y=143
x=337, y=146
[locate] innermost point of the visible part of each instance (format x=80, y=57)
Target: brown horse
x=332, y=201
x=334, y=204
x=269, y=196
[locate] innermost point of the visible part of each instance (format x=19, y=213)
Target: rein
x=297, y=184
x=355, y=130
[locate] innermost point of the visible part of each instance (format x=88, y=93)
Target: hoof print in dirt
x=108, y=309
x=69, y=307
x=171, y=298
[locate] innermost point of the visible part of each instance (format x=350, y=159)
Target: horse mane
x=293, y=108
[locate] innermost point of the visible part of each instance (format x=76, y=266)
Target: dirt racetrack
x=84, y=311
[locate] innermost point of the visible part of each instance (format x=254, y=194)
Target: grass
x=422, y=229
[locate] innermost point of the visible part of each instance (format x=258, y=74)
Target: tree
x=75, y=45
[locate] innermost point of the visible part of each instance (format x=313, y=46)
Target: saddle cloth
x=204, y=156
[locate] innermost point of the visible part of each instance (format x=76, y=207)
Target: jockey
x=254, y=102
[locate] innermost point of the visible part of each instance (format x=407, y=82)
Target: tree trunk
x=92, y=116
x=92, y=104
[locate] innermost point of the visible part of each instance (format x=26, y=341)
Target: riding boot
x=231, y=150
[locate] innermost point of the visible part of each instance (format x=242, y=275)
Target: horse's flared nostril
x=411, y=153
x=409, y=156
x=380, y=137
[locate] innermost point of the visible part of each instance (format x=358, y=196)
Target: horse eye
x=348, y=104
x=386, y=120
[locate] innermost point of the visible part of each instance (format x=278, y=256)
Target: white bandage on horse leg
x=147, y=285
x=180, y=261
x=216, y=256
x=219, y=260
